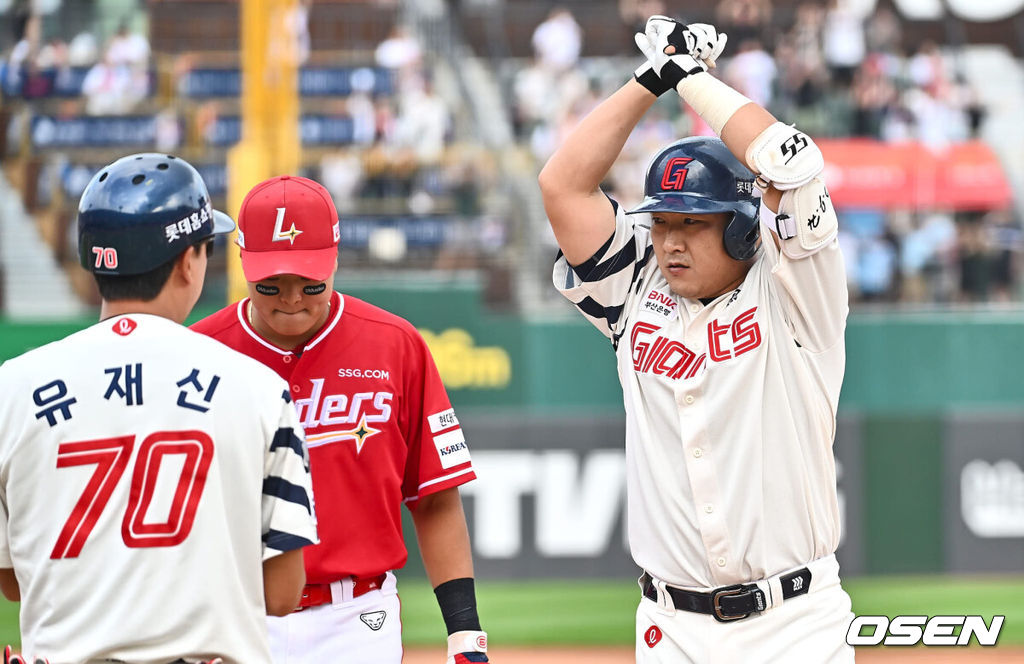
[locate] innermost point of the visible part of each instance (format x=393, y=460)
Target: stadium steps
x=477, y=87
x=998, y=79
x=34, y=285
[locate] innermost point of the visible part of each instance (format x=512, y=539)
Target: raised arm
x=787, y=165
x=580, y=215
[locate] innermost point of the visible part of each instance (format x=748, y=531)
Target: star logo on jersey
x=282, y=235
x=360, y=433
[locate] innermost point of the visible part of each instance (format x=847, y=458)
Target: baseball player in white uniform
x=727, y=316
x=155, y=493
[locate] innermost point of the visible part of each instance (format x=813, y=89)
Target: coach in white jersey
x=727, y=317
x=154, y=484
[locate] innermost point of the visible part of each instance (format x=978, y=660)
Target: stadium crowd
x=390, y=146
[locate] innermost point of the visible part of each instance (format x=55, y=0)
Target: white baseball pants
x=806, y=629
x=361, y=630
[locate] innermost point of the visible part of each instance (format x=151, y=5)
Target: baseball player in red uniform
x=381, y=433
x=154, y=485
x=726, y=314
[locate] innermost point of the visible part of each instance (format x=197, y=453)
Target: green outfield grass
x=601, y=612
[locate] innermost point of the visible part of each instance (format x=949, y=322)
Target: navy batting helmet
x=700, y=175
x=141, y=211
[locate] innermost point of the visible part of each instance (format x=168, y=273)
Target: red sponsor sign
x=869, y=173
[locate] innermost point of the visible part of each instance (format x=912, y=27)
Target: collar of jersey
x=337, y=306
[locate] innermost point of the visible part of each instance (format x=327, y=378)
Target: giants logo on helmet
x=675, y=173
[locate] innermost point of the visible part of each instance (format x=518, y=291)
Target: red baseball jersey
x=379, y=426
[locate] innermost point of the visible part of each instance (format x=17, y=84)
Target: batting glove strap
x=647, y=77
x=467, y=646
x=678, y=68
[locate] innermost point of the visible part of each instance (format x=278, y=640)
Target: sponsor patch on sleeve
x=451, y=448
x=444, y=420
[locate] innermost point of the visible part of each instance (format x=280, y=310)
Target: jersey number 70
x=111, y=456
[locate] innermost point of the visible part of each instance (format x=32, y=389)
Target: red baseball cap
x=288, y=225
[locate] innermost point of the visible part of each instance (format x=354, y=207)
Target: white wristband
x=467, y=641
x=713, y=100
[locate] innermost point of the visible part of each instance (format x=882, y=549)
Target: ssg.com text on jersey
x=364, y=373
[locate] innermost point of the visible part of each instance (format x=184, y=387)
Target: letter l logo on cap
x=279, y=235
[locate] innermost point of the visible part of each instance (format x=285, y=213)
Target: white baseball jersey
x=146, y=472
x=730, y=407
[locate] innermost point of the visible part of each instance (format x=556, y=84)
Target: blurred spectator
x=341, y=173
x=634, y=13
x=1007, y=242
x=965, y=97
x=110, y=89
x=802, y=73
x=927, y=259
x=399, y=50
x=422, y=123
x=120, y=80
x=128, y=49
x=884, y=34
x=743, y=19
x=83, y=50
x=927, y=70
x=873, y=95
x=876, y=268
x=360, y=108
x=843, y=41
x=557, y=41
x=167, y=131
x=936, y=121
x=752, y=72
x=975, y=261
x=21, y=73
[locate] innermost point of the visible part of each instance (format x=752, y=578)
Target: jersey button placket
x=703, y=479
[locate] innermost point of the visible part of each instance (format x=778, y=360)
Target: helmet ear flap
x=740, y=236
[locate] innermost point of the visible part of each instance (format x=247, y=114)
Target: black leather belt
x=729, y=603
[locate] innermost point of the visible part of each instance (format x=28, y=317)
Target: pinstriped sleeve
x=289, y=517
x=600, y=286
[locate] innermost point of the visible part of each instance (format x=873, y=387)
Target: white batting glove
x=660, y=33
x=467, y=647
x=704, y=42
